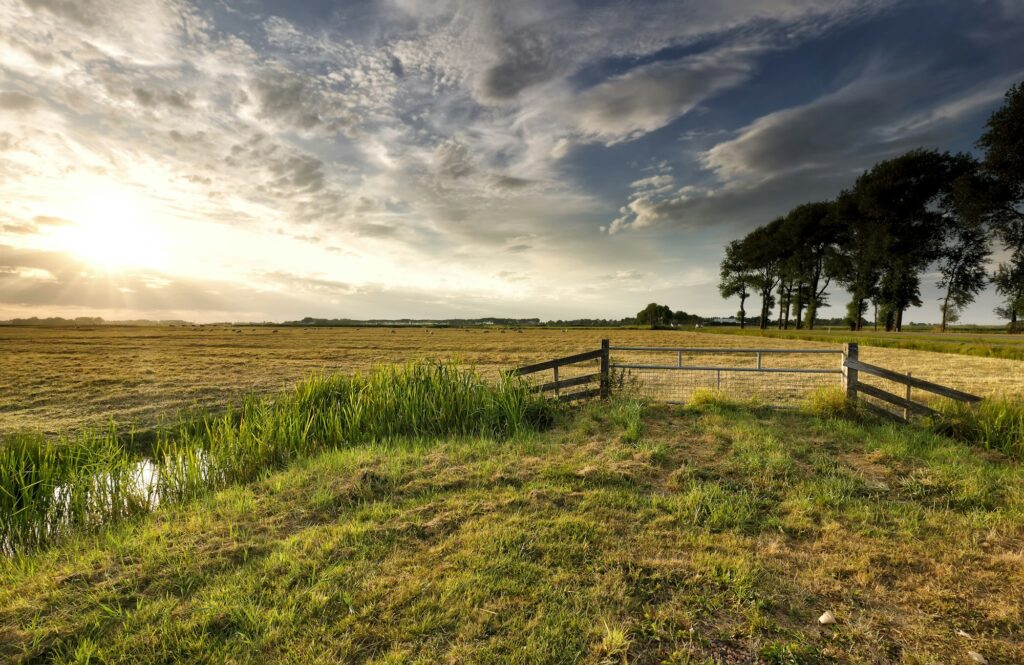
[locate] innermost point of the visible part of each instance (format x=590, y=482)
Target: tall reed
x=48, y=488
x=996, y=423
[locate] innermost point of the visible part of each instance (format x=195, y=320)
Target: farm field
x=985, y=344
x=58, y=380
x=711, y=533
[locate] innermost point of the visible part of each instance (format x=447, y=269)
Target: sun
x=115, y=231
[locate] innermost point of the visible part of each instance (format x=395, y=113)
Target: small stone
x=962, y=633
x=977, y=658
x=827, y=618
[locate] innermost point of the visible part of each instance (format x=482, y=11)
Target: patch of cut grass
x=986, y=345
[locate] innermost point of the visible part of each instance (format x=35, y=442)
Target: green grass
x=995, y=423
x=988, y=345
x=51, y=487
x=628, y=533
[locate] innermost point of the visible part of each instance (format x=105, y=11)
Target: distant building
x=726, y=320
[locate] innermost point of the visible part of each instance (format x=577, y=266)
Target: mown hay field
x=983, y=342
x=57, y=379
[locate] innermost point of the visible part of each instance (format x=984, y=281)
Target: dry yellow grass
x=59, y=379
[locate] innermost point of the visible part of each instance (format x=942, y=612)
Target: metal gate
x=673, y=374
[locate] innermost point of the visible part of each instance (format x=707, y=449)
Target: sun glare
x=113, y=231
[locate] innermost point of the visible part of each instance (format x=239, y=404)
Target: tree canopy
x=920, y=212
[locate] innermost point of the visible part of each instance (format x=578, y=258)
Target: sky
x=253, y=160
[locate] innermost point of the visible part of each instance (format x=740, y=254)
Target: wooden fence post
x=850, y=353
x=906, y=410
x=605, y=379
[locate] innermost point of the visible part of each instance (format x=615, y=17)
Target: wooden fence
x=557, y=385
x=852, y=367
x=598, y=384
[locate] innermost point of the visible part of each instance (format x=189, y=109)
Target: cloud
x=649, y=97
x=875, y=115
x=454, y=144
x=12, y=100
x=511, y=182
x=525, y=59
x=809, y=151
x=452, y=160
x=171, y=98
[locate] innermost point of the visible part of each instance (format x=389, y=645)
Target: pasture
x=58, y=380
x=433, y=514
x=710, y=533
x=984, y=343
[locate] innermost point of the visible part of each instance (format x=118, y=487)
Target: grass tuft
x=995, y=423
x=829, y=403
x=628, y=414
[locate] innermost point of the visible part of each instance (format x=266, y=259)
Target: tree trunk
x=945, y=307
x=899, y=319
x=799, y=306
x=743, y=310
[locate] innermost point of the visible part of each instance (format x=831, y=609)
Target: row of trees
x=662, y=316
x=924, y=210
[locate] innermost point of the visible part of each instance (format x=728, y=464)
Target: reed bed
x=50, y=487
x=996, y=423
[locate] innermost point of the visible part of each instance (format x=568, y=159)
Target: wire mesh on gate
x=776, y=376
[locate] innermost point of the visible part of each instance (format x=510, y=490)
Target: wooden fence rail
x=556, y=384
x=852, y=367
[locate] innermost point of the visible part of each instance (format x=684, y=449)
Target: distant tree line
x=662, y=316
x=61, y=322
x=922, y=211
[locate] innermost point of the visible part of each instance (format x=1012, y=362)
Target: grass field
x=711, y=533
x=985, y=344
x=63, y=379
x=428, y=514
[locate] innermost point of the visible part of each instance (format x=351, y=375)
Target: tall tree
x=1003, y=145
x=737, y=278
x=655, y=315
x=761, y=252
x=1009, y=281
x=966, y=246
x=815, y=232
x=896, y=203
x=859, y=258
x=962, y=269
